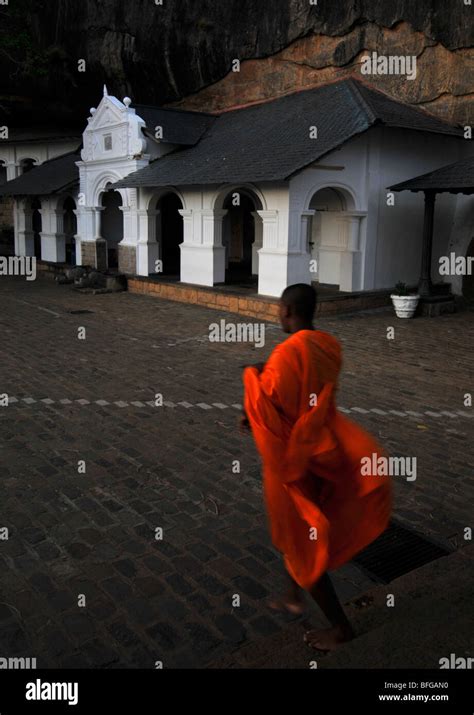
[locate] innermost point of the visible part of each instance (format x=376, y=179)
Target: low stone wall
x=253, y=306
x=263, y=308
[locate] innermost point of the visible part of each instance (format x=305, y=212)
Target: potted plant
x=404, y=302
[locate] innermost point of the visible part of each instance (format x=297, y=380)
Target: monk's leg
x=341, y=630
x=292, y=601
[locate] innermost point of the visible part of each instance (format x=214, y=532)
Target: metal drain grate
x=396, y=552
x=80, y=312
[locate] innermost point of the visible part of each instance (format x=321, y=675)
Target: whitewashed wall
x=395, y=232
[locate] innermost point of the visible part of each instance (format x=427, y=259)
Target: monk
x=321, y=510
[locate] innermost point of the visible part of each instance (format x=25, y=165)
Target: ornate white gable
x=114, y=131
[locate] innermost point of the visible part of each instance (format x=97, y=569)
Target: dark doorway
x=171, y=233
x=468, y=280
x=70, y=230
x=112, y=225
x=27, y=165
x=239, y=235
x=37, y=226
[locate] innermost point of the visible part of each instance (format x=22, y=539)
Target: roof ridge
x=174, y=109
x=355, y=87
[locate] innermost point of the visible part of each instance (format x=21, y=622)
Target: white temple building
x=291, y=190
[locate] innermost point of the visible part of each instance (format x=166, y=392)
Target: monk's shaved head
x=301, y=300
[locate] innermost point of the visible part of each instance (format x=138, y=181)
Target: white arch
x=159, y=193
x=100, y=186
x=346, y=190
x=226, y=189
x=29, y=157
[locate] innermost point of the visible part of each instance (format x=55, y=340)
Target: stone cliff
x=181, y=51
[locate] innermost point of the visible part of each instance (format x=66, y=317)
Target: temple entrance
x=170, y=233
x=327, y=237
x=468, y=280
x=70, y=230
x=112, y=225
x=27, y=165
x=37, y=226
x=238, y=237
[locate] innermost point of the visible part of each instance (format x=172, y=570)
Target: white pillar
x=306, y=223
x=53, y=240
x=24, y=236
x=202, y=252
x=149, y=243
x=13, y=170
x=351, y=258
x=258, y=243
x=283, y=259
x=90, y=246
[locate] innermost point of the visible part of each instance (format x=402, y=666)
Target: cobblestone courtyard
x=171, y=467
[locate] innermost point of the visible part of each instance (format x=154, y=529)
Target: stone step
x=431, y=618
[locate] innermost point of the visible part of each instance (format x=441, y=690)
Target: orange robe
x=322, y=511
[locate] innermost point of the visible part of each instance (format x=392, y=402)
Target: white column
x=13, y=170
x=24, y=236
x=148, y=246
x=283, y=259
x=272, y=262
x=77, y=240
x=53, y=240
x=351, y=258
x=306, y=225
x=258, y=243
x=202, y=252
x=88, y=231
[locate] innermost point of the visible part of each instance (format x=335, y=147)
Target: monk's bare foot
x=329, y=638
x=290, y=605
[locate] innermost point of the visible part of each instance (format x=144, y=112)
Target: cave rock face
x=165, y=53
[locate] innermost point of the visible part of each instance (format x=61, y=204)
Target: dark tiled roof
x=50, y=177
x=40, y=134
x=456, y=178
x=271, y=141
x=179, y=126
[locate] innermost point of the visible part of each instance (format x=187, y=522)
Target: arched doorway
x=468, y=280
x=169, y=232
x=27, y=165
x=327, y=237
x=70, y=229
x=37, y=226
x=238, y=236
x=112, y=225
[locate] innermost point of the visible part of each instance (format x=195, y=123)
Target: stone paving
x=85, y=582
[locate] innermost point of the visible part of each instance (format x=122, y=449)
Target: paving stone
x=117, y=588
x=123, y=635
x=264, y=625
x=231, y=628
x=164, y=635
x=179, y=584
x=202, y=552
x=249, y=587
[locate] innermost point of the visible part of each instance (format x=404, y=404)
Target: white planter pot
x=405, y=305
